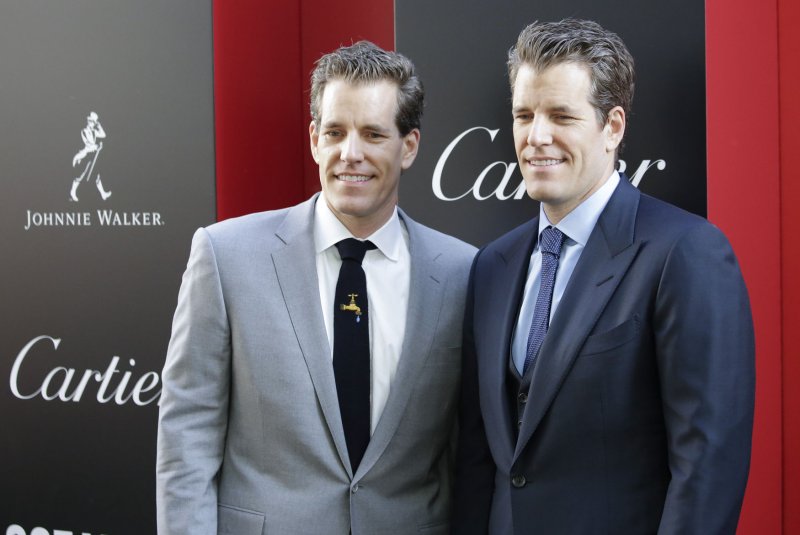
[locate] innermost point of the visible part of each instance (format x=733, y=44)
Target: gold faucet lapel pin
x=352, y=306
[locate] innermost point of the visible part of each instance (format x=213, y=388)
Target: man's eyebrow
x=562, y=108
x=372, y=127
x=376, y=128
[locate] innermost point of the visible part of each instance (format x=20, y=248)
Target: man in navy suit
x=608, y=375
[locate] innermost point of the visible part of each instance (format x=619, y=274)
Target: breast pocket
x=612, y=339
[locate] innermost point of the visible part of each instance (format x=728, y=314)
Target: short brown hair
x=610, y=64
x=365, y=62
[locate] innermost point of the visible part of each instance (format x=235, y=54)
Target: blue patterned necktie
x=550, y=246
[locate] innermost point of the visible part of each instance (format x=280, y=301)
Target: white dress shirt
x=388, y=272
x=577, y=226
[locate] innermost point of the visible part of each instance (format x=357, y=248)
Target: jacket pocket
x=611, y=339
x=237, y=521
x=442, y=528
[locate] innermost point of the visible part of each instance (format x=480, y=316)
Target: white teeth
x=353, y=178
x=542, y=163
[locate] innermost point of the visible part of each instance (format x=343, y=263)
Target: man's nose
x=352, y=150
x=540, y=132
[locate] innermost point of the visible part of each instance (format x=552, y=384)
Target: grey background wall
x=88, y=287
x=465, y=181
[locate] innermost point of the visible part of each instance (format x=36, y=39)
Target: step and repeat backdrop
x=107, y=158
x=465, y=180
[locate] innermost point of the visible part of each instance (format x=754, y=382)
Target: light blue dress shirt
x=577, y=226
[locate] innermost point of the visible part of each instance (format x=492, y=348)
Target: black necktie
x=351, y=362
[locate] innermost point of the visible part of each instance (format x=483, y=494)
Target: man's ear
x=410, y=148
x=614, y=128
x=314, y=137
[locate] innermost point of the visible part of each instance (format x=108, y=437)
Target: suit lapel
x=425, y=300
x=509, y=271
x=605, y=260
x=295, y=266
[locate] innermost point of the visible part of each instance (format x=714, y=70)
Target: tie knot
x=551, y=240
x=353, y=249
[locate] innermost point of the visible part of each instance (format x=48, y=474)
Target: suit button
x=519, y=423
x=523, y=397
x=354, y=489
x=518, y=481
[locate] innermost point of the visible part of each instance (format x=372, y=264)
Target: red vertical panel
x=324, y=29
x=744, y=201
x=263, y=53
x=257, y=93
x=789, y=56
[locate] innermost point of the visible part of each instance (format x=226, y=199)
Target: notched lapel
x=296, y=270
x=608, y=254
x=425, y=301
x=508, y=272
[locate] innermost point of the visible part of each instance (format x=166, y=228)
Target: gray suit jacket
x=250, y=437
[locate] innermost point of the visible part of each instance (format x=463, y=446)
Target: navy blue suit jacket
x=640, y=409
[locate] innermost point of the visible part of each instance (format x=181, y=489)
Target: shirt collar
x=328, y=231
x=579, y=223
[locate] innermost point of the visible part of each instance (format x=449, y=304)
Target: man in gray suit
x=251, y=437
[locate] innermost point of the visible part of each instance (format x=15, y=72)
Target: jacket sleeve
x=706, y=359
x=475, y=468
x=193, y=415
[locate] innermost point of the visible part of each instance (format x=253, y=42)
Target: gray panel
x=106, y=291
x=460, y=49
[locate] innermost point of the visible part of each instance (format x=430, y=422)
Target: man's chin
x=540, y=194
x=349, y=208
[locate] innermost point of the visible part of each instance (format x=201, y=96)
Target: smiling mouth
x=352, y=178
x=544, y=163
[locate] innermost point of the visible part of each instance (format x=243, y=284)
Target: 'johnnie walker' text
x=106, y=218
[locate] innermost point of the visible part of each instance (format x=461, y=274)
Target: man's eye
x=332, y=133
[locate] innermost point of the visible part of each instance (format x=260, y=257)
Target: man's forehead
x=565, y=77
x=342, y=82
x=367, y=98
x=544, y=70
